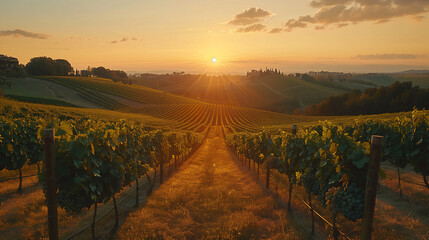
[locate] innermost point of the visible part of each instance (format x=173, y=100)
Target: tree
x=62, y=67
x=10, y=67
x=101, y=72
x=48, y=66
x=115, y=75
x=40, y=66
x=400, y=96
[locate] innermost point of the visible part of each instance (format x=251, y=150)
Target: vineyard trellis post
x=161, y=171
x=371, y=187
x=51, y=186
x=267, y=180
x=294, y=129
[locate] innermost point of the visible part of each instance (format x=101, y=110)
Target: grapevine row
x=331, y=161
x=199, y=116
x=95, y=159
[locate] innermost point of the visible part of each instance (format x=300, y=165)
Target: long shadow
x=129, y=205
x=406, y=205
x=30, y=188
x=280, y=196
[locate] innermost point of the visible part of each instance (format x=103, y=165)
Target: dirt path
x=210, y=198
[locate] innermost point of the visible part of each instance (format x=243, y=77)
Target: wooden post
x=294, y=129
x=267, y=180
x=51, y=184
x=161, y=171
x=371, y=187
x=249, y=163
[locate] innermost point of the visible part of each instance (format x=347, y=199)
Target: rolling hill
x=270, y=92
x=131, y=101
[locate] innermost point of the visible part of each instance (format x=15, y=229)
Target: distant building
x=254, y=73
x=266, y=72
x=86, y=73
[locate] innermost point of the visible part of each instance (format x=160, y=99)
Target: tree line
x=39, y=66
x=46, y=66
x=398, y=97
x=115, y=75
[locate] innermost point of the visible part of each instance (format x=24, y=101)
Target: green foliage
x=94, y=158
x=46, y=101
x=115, y=75
x=398, y=97
x=20, y=142
x=331, y=161
x=10, y=67
x=47, y=66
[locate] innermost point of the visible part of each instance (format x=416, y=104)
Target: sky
x=173, y=35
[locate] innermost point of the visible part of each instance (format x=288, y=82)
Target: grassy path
x=211, y=198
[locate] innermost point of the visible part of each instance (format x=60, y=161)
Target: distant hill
x=417, y=77
x=414, y=72
x=398, y=97
x=273, y=92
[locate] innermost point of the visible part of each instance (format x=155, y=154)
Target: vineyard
x=95, y=158
x=235, y=119
x=214, y=120
x=110, y=95
x=103, y=156
x=331, y=161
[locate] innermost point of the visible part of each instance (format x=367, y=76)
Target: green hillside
x=418, y=79
x=111, y=95
x=270, y=91
x=306, y=92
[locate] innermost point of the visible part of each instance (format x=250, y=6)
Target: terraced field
x=176, y=111
x=105, y=92
x=234, y=118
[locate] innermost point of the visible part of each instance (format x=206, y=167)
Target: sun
x=214, y=60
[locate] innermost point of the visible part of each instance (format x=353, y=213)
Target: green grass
x=297, y=88
x=259, y=92
x=163, y=110
x=39, y=88
x=45, y=101
x=32, y=109
x=95, y=89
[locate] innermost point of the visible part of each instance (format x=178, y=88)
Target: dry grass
x=9, y=189
x=24, y=216
x=211, y=198
x=395, y=218
x=26, y=170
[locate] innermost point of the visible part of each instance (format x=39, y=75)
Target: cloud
x=124, y=39
x=391, y=56
x=276, y=30
x=418, y=18
x=341, y=12
x=340, y=25
x=23, y=33
x=252, y=28
x=249, y=17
